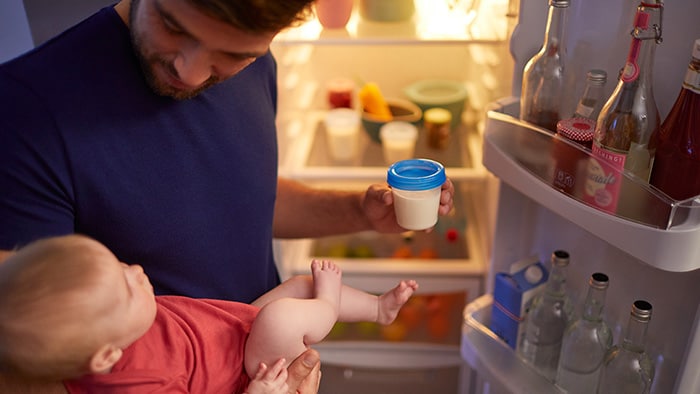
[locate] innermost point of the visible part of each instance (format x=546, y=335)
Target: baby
x=70, y=310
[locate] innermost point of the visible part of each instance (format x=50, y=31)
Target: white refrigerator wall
x=598, y=37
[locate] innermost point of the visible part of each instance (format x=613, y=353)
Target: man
x=150, y=126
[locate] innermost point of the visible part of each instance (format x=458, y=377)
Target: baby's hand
x=269, y=380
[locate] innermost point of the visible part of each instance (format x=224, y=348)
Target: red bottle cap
x=577, y=129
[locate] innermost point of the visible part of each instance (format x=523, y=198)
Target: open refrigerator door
x=651, y=253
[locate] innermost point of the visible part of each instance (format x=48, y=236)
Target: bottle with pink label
x=628, y=118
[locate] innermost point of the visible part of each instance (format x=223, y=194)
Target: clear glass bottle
x=585, y=343
x=543, y=75
x=677, y=162
x=547, y=319
x=628, y=118
x=627, y=367
x=593, y=98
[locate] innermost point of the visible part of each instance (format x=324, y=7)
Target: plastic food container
x=416, y=185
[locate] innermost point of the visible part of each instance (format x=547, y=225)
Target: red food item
x=438, y=326
x=452, y=234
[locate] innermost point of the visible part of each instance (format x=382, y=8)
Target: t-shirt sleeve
x=35, y=192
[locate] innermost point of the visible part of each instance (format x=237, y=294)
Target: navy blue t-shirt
x=184, y=188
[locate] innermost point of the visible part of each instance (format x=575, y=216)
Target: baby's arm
x=271, y=380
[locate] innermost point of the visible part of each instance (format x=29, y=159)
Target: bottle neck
x=556, y=284
x=593, y=306
x=635, y=335
x=554, y=33
x=646, y=34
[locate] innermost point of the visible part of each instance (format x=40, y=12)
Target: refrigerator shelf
x=657, y=230
x=492, y=358
x=432, y=23
x=308, y=157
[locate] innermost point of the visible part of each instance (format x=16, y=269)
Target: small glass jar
x=436, y=122
x=568, y=160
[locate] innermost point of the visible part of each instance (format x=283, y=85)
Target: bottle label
x=602, y=187
x=692, y=80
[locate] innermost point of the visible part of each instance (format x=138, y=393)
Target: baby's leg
x=327, y=282
x=285, y=327
x=357, y=305
x=391, y=302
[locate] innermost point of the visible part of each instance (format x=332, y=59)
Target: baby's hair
x=43, y=305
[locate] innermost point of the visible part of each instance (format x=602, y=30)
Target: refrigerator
x=509, y=208
x=505, y=210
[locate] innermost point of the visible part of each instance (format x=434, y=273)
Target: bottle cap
x=696, y=49
x=559, y=3
x=599, y=281
x=560, y=258
x=576, y=129
x=597, y=75
x=437, y=115
x=641, y=310
x=416, y=174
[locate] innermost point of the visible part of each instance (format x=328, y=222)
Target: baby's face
x=133, y=303
x=140, y=302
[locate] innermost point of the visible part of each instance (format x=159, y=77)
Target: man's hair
x=257, y=16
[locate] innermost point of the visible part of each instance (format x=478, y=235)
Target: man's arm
x=305, y=212
x=302, y=211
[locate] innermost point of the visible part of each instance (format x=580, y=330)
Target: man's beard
x=147, y=64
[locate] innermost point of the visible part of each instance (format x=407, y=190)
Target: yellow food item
x=373, y=101
x=394, y=332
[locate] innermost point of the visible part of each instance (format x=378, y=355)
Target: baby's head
x=68, y=307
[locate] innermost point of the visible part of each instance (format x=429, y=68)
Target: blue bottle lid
x=416, y=174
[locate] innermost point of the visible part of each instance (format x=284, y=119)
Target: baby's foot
x=391, y=302
x=327, y=281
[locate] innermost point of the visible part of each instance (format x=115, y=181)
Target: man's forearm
x=301, y=211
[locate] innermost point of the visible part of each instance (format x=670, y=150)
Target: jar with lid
x=436, y=122
x=569, y=150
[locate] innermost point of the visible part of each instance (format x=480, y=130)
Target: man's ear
x=104, y=358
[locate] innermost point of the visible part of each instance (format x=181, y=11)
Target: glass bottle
x=592, y=99
x=547, y=319
x=627, y=367
x=677, y=162
x=628, y=118
x=585, y=342
x=543, y=76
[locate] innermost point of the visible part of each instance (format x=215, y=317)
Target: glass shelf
x=492, y=357
x=651, y=227
x=307, y=157
x=463, y=21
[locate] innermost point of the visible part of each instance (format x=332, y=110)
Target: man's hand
x=378, y=205
x=305, y=373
